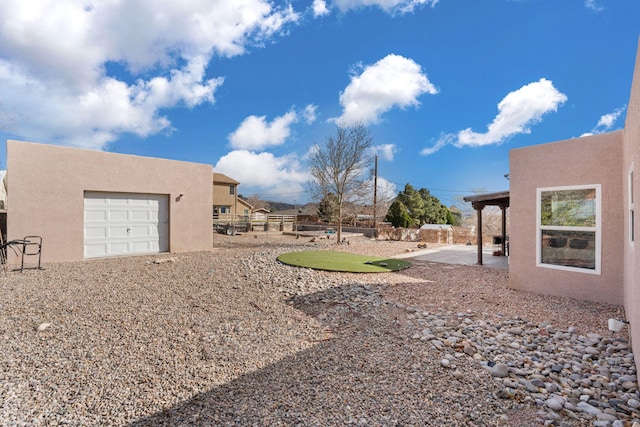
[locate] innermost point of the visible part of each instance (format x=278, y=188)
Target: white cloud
x=265, y=174
x=255, y=133
x=56, y=56
x=387, y=190
x=320, y=8
x=389, y=6
x=309, y=113
x=442, y=141
x=517, y=112
x=394, y=81
x=606, y=122
x=591, y=4
x=386, y=151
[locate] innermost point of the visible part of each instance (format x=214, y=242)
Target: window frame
x=597, y=229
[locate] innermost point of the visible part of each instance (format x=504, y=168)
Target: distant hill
x=280, y=206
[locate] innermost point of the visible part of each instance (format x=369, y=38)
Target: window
x=632, y=219
x=569, y=228
x=232, y=189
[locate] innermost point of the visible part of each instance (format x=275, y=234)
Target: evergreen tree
x=328, y=208
x=398, y=215
x=422, y=207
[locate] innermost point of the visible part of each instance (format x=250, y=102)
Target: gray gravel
x=232, y=337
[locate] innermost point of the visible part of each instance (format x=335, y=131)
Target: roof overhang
x=479, y=201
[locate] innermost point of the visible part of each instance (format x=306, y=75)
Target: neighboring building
x=302, y=213
x=260, y=214
x=225, y=197
x=245, y=209
x=572, y=215
x=87, y=204
x=436, y=227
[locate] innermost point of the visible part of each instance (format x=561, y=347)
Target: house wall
x=243, y=208
x=221, y=196
x=589, y=160
x=46, y=195
x=631, y=159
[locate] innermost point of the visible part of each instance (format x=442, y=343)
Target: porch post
x=478, y=207
x=503, y=208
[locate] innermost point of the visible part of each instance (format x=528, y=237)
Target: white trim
x=597, y=229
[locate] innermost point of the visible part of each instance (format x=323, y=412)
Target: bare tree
x=341, y=166
x=257, y=202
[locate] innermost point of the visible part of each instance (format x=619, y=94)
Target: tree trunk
x=339, y=223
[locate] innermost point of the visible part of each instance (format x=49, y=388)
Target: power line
x=276, y=194
x=461, y=192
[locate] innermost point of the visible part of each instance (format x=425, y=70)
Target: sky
x=446, y=87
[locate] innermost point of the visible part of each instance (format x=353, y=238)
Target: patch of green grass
x=342, y=261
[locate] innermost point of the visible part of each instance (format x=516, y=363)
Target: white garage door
x=125, y=223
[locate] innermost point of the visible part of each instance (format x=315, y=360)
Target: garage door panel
x=91, y=200
x=95, y=232
x=143, y=215
x=120, y=232
x=118, y=248
x=143, y=231
x=95, y=215
x=120, y=224
x=118, y=215
x=142, y=247
x=163, y=238
x=95, y=250
x=118, y=200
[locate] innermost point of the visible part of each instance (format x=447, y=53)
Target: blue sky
x=446, y=87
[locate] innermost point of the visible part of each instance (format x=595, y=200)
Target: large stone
x=606, y=417
x=585, y=407
x=499, y=370
x=556, y=403
x=43, y=326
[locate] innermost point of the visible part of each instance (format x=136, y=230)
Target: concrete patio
x=460, y=254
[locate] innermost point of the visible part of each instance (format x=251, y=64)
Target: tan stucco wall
x=589, y=160
x=221, y=196
x=631, y=158
x=46, y=195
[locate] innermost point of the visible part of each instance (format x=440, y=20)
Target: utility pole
x=375, y=191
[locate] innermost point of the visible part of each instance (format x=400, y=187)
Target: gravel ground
x=231, y=337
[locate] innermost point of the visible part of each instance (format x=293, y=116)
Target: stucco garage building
x=87, y=204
